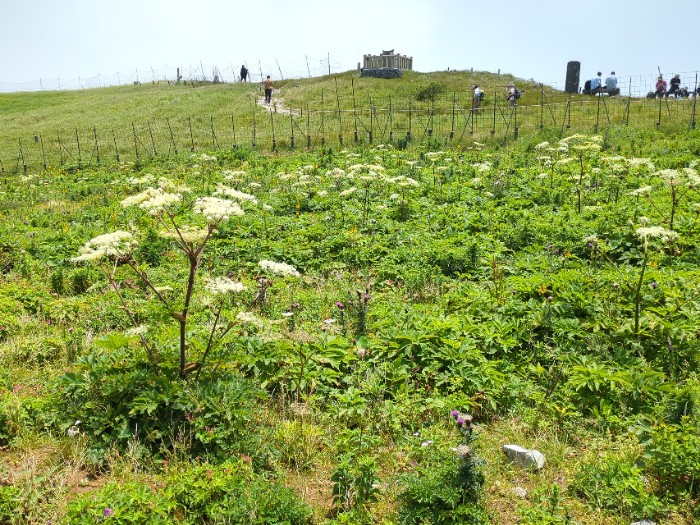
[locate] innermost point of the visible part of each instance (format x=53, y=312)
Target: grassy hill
x=126, y=122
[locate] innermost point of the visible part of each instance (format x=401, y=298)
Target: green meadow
x=223, y=327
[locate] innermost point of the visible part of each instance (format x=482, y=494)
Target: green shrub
x=228, y=493
x=613, y=483
x=444, y=489
x=430, y=92
x=672, y=457
x=118, y=397
x=12, y=417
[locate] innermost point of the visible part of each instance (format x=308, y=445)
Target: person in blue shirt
x=596, y=83
x=611, y=84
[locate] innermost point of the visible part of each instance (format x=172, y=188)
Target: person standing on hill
x=267, y=85
x=244, y=73
x=512, y=95
x=476, y=98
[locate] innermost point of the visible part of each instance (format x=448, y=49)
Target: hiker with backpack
x=513, y=94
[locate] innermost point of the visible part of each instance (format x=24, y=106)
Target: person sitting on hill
x=660, y=87
x=675, y=86
x=597, y=83
x=611, y=84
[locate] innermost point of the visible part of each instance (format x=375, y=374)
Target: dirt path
x=276, y=106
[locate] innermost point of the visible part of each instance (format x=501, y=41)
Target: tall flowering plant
x=109, y=251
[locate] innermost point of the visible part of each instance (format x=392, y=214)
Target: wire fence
x=446, y=120
x=306, y=67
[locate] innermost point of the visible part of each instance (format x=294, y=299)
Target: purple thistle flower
x=340, y=305
x=454, y=413
x=654, y=285
x=550, y=298
x=460, y=421
x=107, y=512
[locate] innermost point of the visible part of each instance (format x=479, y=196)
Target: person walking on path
x=244, y=73
x=267, y=85
x=512, y=95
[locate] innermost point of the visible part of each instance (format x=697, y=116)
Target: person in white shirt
x=476, y=98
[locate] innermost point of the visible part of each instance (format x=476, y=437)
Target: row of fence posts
x=508, y=114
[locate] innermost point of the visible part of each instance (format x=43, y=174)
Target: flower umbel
x=117, y=244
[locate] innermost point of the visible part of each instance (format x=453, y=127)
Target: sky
x=60, y=43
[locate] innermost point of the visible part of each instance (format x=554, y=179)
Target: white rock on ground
x=525, y=458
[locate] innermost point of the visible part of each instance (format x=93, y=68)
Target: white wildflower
x=137, y=330
x=278, y=268
x=234, y=194
x=153, y=200
x=542, y=145
x=249, y=318
x=141, y=180
x=347, y=192
x=188, y=234
x=224, y=285
x=114, y=244
x=215, y=209
x=656, y=232
x=644, y=190
x=671, y=177
x=635, y=162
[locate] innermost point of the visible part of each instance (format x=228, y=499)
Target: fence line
x=307, y=67
x=448, y=120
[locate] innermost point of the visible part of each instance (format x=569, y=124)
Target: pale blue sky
x=68, y=39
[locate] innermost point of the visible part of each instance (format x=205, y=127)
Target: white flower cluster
x=215, y=209
x=137, y=330
x=434, y=155
x=249, y=318
x=141, y=180
x=335, y=173
x=542, y=145
x=188, y=234
x=168, y=185
x=224, y=285
x=635, y=162
x=153, y=200
x=349, y=191
x=671, y=177
x=107, y=245
x=234, y=194
x=235, y=176
x=644, y=190
x=279, y=268
x=656, y=232
x=482, y=167
x=403, y=181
